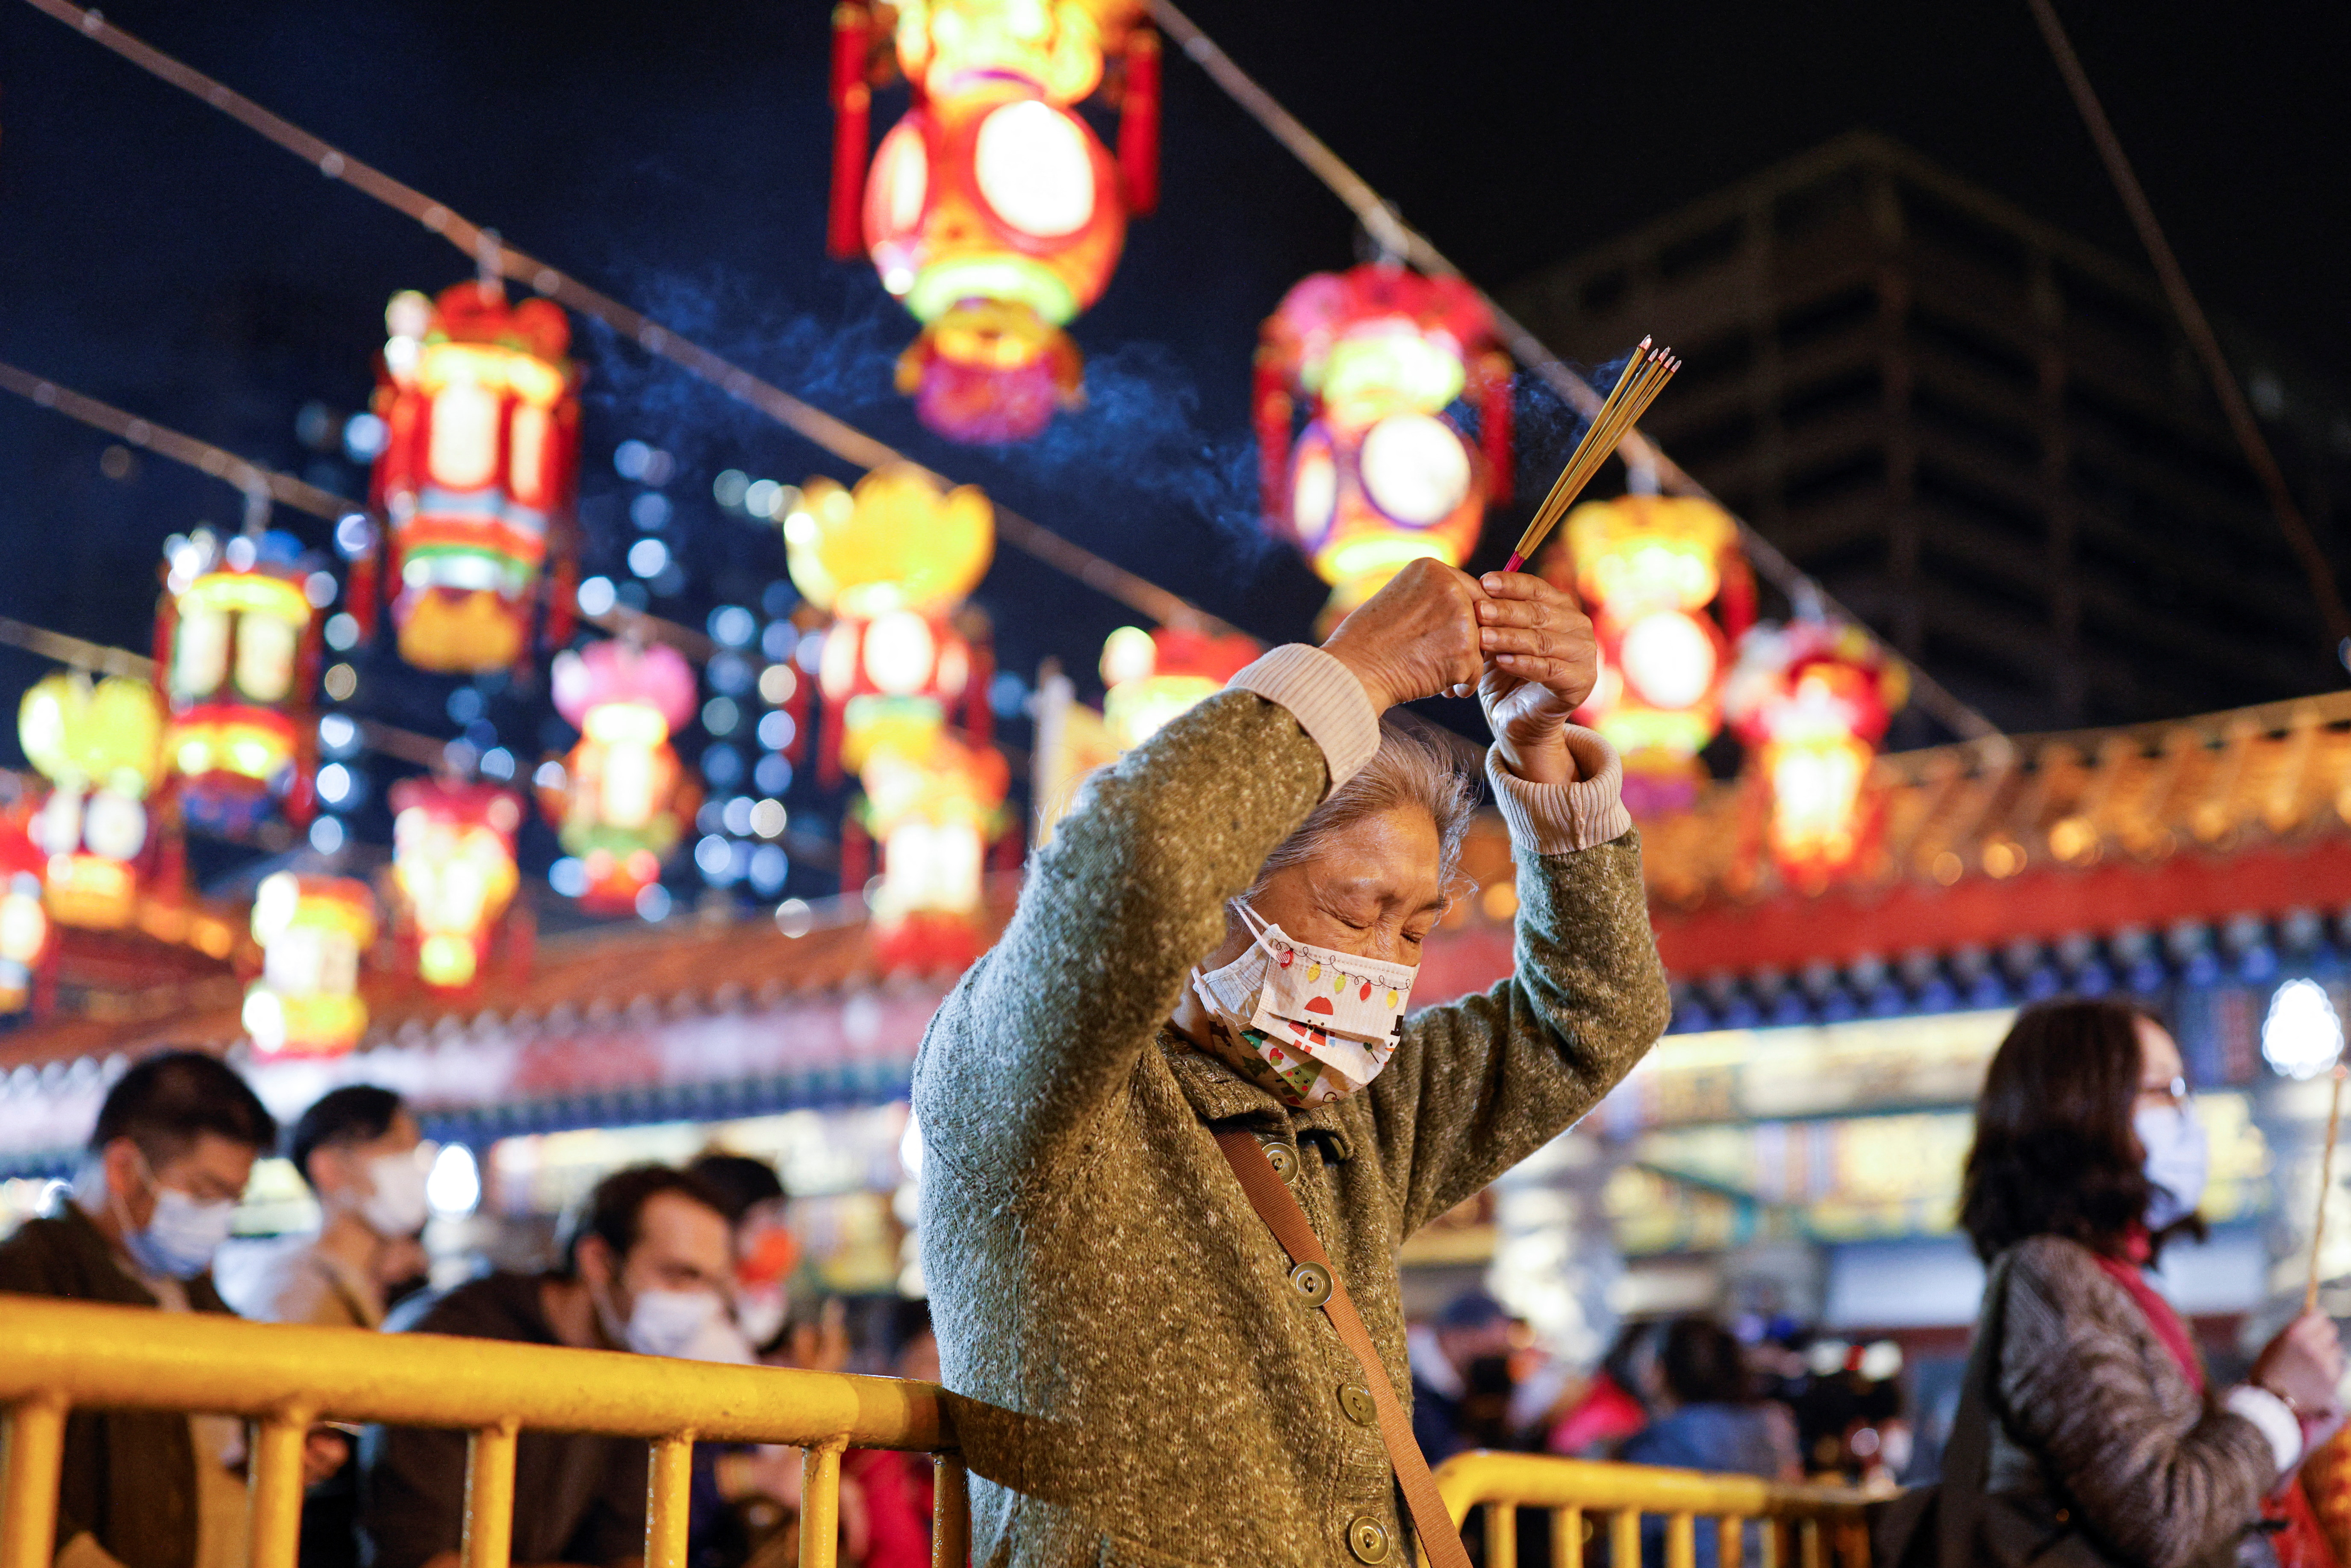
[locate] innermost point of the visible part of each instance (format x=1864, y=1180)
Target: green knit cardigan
x=1147, y=1387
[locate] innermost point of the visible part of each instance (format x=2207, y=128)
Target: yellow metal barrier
x=56, y=1355
x=1801, y=1526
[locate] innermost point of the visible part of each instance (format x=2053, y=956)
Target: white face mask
x=691, y=1324
x=181, y=1237
x=2178, y=1158
x=1318, y=1006
x=397, y=1207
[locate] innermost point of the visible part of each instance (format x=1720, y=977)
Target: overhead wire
x=1384, y=224
x=2308, y=554
x=488, y=248
x=256, y=479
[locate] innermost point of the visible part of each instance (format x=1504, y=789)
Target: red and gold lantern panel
x=452, y=864
x=313, y=931
x=479, y=469
x=237, y=648
x=101, y=746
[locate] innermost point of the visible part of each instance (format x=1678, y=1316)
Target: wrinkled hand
x=1542, y=659
x=2303, y=1364
x=1414, y=638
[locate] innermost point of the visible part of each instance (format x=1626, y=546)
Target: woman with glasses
x=2088, y=1433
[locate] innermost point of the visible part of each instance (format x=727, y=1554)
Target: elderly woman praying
x=1223, y=936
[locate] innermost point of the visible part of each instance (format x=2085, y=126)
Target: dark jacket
x=130, y=1475
x=579, y=1497
x=2096, y=1414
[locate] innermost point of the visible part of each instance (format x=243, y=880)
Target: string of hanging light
x=497, y=258
x=1398, y=239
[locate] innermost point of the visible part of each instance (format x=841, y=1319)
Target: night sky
x=158, y=256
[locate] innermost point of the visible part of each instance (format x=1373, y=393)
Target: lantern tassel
x=852, y=27
x=1494, y=427
x=1138, y=122
x=1273, y=414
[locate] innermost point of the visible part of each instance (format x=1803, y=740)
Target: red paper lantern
x=236, y=660
x=1151, y=676
x=992, y=209
x=477, y=475
x=452, y=864
x=1813, y=701
x=934, y=804
x=892, y=560
x=24, y=930
x=313, y=932
x=101, y=746
x=621, y=809
x=1381, y=475
x=1654, y=571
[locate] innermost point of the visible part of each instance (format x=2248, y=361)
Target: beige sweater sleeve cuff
x=1561, y=818
x=1323, y=695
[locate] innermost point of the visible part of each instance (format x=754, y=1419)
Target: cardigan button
x=1313, y=1283
x=1367, y=1538
x=1359, y=1404
x=1282, y=1157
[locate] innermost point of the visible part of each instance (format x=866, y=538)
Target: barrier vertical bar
x=820, y=1506
x=488, y=1539
x=276, y=1480
x=1681, y=1540
x=1624, y=1538
x=32, y=1450
x=950, y=1513
x=1730, y=1541
x=1808, y=1544
x=1567, y=1537
x=668, y=1483
x=1502, y=1535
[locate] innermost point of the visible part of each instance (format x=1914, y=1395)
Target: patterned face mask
x=1309, y=1024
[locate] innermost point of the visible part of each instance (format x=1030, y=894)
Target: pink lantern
x=619, y=809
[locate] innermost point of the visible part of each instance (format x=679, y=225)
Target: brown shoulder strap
x=1280, y=1210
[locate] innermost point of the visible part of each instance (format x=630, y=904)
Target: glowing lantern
x=1648, y=567
x=619, y=810
x=237, y=652
x=1815, y=701
x=481, y=459
x=452, y=864
x=892, y=559
x=312, y=931
x=933, y=806
x=24, y=922
x=1151, y=676
x=1381, y=475
x=102, y=746
x=991, y=209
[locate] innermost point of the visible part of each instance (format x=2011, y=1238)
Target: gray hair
x=1413, y=766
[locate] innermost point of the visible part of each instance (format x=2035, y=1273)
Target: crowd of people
x=692, y=1262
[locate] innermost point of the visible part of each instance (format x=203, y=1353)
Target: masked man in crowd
x=646, y=1269
x=173, y=1149
x=361, y=1153
x=1205, y=987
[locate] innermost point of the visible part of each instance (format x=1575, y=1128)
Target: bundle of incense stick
x=1645, y=375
